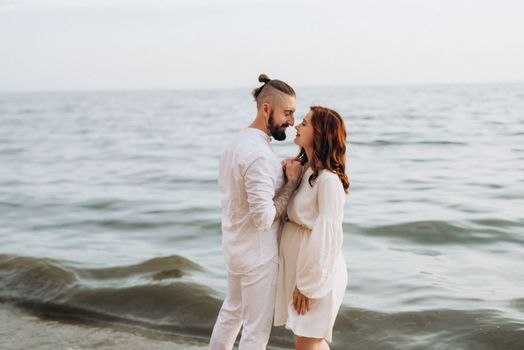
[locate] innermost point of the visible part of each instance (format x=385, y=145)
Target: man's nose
x=291, y=121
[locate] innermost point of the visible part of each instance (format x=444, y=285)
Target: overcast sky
x=146, y=44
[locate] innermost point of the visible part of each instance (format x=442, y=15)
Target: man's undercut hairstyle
x=272, y=88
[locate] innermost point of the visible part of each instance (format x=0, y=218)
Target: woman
x=312, y=274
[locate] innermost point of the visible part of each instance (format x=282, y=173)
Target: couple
x=298, y=280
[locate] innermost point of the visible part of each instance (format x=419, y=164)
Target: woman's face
x=304, y=136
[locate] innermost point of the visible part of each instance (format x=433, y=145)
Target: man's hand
x=284, y=161
x=300, y=302
x=293, y=170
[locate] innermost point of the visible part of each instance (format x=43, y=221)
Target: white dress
x=310, y=256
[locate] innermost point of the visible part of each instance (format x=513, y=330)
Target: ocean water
x=110, y=210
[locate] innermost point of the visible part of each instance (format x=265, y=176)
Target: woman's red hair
x=329, y=145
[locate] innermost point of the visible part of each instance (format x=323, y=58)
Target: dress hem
x=300, y=335
x=306, y=335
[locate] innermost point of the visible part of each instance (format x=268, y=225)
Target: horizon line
x=307, y=86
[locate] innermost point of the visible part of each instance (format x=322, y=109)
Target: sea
x=110, y=210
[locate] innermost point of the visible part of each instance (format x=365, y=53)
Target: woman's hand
x=300, y=302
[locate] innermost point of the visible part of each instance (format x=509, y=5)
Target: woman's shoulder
x=325, y=174
x=329, y=183
x=328, y=177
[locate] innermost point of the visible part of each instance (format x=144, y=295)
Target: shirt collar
x=260, y=133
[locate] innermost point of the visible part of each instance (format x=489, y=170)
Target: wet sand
x=21, y=330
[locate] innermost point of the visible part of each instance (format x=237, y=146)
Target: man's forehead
x=289, y=103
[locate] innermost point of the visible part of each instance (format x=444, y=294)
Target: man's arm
x=260, y=190
x=282, y=198
x=293, y=170
x=263, y=208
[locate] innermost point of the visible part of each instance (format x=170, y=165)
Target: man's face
x=282, y=116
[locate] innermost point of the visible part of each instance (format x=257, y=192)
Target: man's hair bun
x=270, y=87
x=263, y=78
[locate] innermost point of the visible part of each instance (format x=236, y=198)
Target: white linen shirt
x=250, y=176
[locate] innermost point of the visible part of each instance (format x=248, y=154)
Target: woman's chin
x=296, y=141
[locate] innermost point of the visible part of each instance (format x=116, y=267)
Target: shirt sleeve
x=318, y=257
x=260, y=190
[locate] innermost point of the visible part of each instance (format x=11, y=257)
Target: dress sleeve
x=318, y=256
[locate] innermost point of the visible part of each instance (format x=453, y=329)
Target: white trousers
x=250, y=303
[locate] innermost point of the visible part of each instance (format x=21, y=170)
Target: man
x=255, y=194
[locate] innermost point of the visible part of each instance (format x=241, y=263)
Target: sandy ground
x=20, y=330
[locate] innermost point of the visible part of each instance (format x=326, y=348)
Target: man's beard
x=278, y=132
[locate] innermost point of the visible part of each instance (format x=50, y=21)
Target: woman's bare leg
x=305, y=343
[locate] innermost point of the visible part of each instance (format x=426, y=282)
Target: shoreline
x=25, y=330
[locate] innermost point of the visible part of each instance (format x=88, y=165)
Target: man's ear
x=265, y=108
